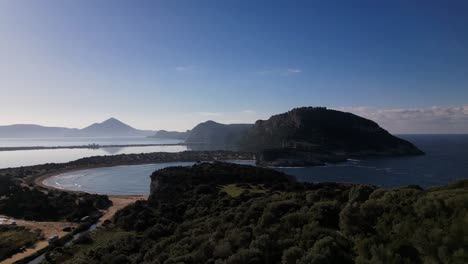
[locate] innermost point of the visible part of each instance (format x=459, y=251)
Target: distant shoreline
x=97, y=146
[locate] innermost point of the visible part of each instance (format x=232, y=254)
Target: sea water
x=446, y=160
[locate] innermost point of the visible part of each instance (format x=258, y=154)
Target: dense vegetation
x=20, y=198
x=196, y=215
x=26, y=201
x=40, y=205
x=12, y=238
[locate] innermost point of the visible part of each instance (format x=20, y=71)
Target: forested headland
x=227, y=213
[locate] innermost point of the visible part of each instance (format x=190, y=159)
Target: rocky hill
x=313, y=135
x=211, y=132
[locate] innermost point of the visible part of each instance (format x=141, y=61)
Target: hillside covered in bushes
x=29, y=202
x=227, y=213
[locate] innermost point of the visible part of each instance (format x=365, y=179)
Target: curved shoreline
x=40, y=180
x=36, y=174
x=118, y=203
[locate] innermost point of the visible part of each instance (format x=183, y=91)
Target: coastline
x=118, y=201
x=49, y=229
x=35, y=175
x=39, y=180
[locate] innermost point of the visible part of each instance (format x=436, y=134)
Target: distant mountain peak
x=108, y=128
x=115, y=127
x=210, y=122
x=113, y=120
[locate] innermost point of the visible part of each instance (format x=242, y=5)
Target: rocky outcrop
x=314, y=135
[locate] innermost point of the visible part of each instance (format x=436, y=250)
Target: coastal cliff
x=310, y=136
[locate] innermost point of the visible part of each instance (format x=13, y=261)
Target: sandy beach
x=118, y=201
x=49, y=229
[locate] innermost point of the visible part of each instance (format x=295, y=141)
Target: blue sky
x=172, y=64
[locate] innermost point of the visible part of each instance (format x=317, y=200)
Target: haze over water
x=35, y=157
x=79, y=141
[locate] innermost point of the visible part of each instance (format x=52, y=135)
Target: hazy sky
x=172, y=64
